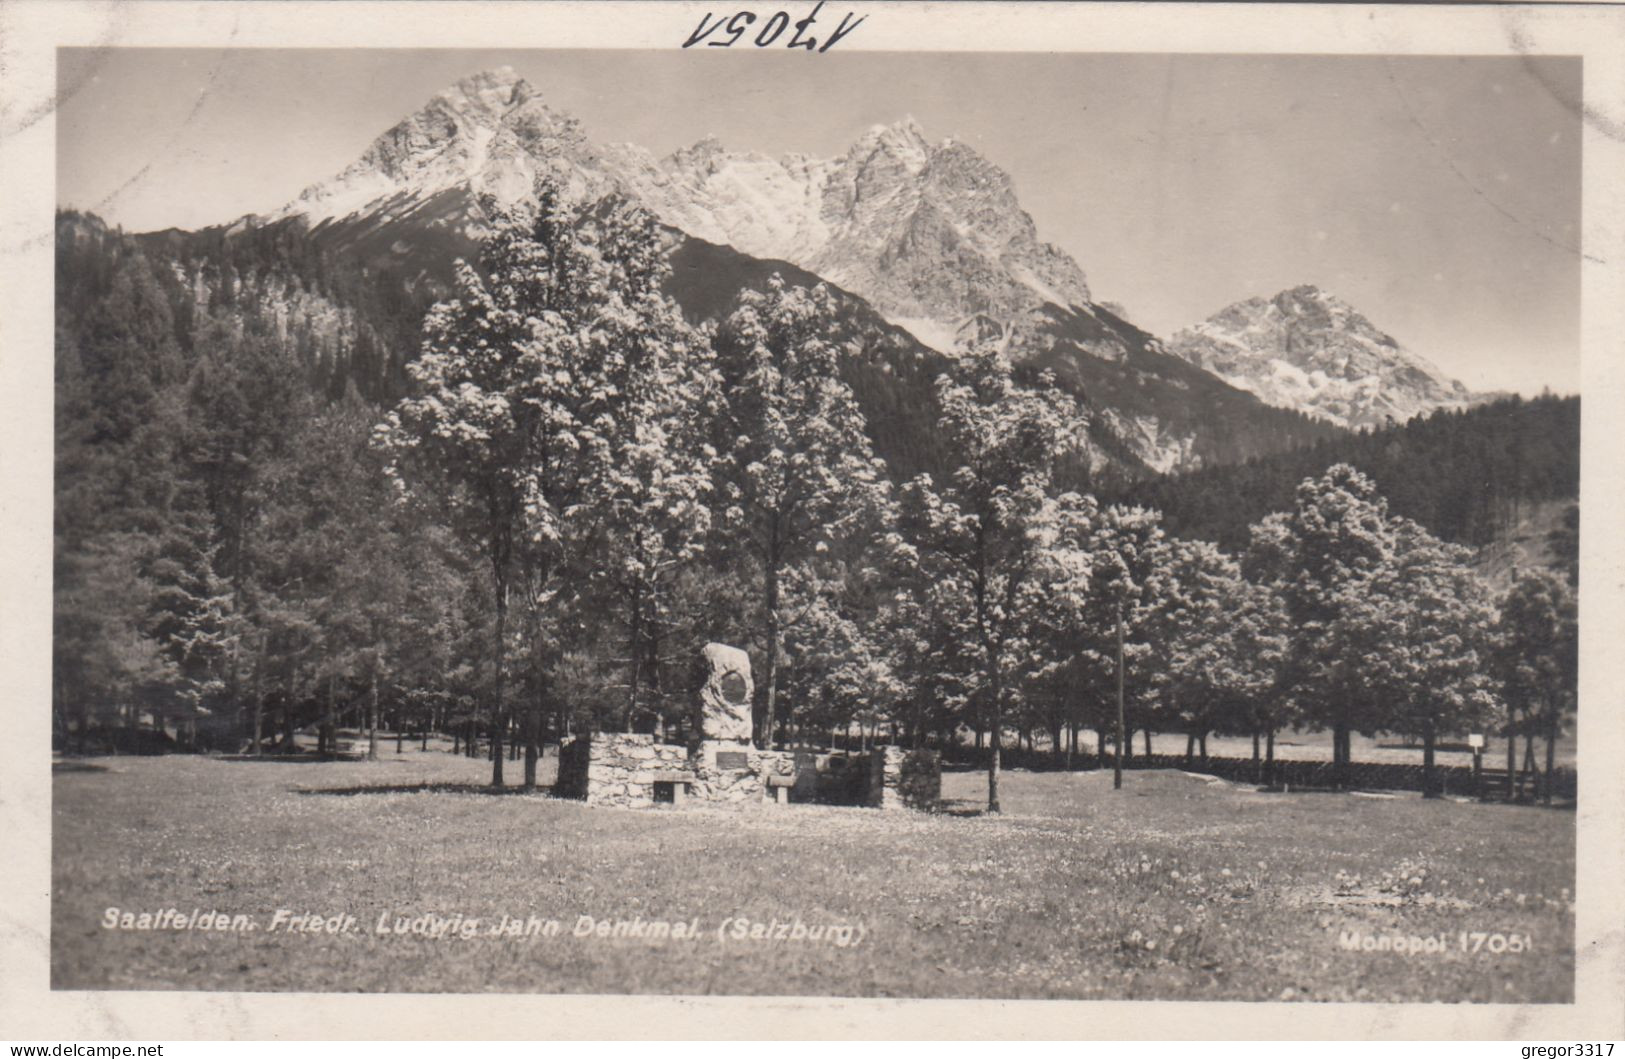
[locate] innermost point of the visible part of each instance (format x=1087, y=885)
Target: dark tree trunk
x=1148, y=742
x=770, y=664
x=259, y=695
x=1512, y=756
x=636, y=661
x=329, y=731
x=372, y=719
x=993, y=757
x=1201, y=741
x=533, y=750
x=1528, y=765
x=1117, y=768
x=1430, y=787
x=1269, y=758
x=499, y=713
x=1551, y=753
x=1190, y=749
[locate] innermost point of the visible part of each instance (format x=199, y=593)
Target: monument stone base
x=636, y=771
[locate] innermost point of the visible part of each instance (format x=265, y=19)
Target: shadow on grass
x=297, y=758
x=424, y=788
x=76, y=766
x=961, y=808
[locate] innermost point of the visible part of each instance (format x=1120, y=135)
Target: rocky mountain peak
x=1303, y=292
x=488, y=94
x=930, y=233
x=701, y=154
x=903, y=139
x=1306, y=349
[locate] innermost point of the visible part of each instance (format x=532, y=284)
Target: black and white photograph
x=763, y=514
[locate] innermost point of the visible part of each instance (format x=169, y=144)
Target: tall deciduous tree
x=987, y=536
x=1129, y=559
x=648, y=481
x=1217, y=645
x=1433, y=619
x=1537, y=659
x=799, y=469
x=1323, y=557
x=518, y=391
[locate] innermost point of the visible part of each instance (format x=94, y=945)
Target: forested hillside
x=1468, y=475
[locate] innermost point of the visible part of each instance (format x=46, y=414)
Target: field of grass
x=1172, y=888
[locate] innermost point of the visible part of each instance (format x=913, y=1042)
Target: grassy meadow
x=1175, y=887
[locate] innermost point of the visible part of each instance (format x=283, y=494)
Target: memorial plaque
x=733, y=759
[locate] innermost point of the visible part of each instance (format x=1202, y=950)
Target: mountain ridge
x=928, y=232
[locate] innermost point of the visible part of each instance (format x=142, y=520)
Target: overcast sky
x=1440, y=196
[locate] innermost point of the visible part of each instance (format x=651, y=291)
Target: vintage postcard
x=754, y=514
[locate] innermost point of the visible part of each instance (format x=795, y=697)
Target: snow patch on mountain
x=927, y=232
x=1162, y=450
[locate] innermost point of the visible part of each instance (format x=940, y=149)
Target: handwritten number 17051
x=734, y=27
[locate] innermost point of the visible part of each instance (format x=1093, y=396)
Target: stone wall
x=620, y=769
x=919, y=779
x=716, y=783
x=904, y=779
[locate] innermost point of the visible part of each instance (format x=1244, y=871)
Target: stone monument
x=725, y=692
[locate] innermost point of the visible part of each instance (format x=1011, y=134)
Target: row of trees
x=985, y=591
x=583, y=486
